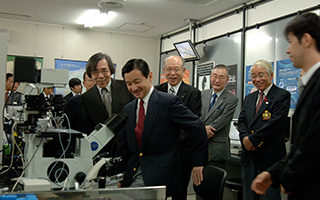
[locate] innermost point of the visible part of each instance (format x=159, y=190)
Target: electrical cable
x=64, y=150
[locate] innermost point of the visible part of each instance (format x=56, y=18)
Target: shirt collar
x=307, y=76
x=265, y=92
x=147, y=97
x=218, y=93
x=108, y=87
x=176, y=87
x=44, y=94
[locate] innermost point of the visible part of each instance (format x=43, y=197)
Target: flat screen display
x=186, y=50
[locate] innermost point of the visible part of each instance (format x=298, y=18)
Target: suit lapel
x=96, y=98
x=251, y=105
x=150, y=119
x=216, y=105
x=115, y=87
x=308, y=87
x=132, y=121
x=266, y=101
x=182, y=91
x=205, y=104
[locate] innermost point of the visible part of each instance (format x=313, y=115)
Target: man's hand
x=197, y=175
x=248, y=144
x=210, y=131
x=119, y=184
x=261, y=183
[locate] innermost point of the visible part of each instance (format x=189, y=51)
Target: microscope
x=55, y=157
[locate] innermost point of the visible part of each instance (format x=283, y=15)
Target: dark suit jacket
x=75, y=114
x=266, y=129
x=191, y=98
x=44, y=102
x=93, y=109
x=298, y=172
x=68, y=96
x=219, y=117
x=159, y=153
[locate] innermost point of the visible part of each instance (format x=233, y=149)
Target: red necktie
x=259, y=102
x=139, y=128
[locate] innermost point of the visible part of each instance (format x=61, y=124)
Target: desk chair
x=235, y=185
x=212, y=185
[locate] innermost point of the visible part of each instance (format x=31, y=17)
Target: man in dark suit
x=298, y=172
x=12, y=96
x=149, y=142
x=218, y=106
x=262, y=128
x=100, y=68
x=74, y=110
x=75, y=87
x=46, y=96
x=191, y=97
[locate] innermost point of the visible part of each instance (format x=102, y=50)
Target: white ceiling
x=156, y=17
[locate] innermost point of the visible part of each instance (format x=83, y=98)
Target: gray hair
x=182, y=60
x=265, y=64
x=221, y=66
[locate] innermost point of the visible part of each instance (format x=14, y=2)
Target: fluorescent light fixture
x=95, y=17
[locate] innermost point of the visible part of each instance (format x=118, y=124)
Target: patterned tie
x=213, y=100
x=106, y=101
x=259, y=102
x=139, y=128
x=172, y=91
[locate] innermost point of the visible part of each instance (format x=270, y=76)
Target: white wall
x=261, y=13
x=52, y=41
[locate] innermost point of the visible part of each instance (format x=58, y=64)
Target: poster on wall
x=185, y=78
x=249, y=87
x=203, y=75
x=76, y=70
x=288, y=78
x=232, y=84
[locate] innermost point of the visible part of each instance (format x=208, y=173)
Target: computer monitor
x=25, y=70
x=186, y=50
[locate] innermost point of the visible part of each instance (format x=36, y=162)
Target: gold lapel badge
x=266, y=115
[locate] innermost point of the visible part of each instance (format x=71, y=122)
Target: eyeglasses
x=215, y=76
x=176, y=69
x=97, y=72
x=260, y=75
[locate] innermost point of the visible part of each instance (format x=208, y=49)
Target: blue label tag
x=94, y=146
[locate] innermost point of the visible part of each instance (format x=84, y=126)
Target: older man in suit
x=96, y=109
x=298, y=172
x=262, y=128
x=149, y=142
x=108, y=96
x=191, y=97
x=218, y=106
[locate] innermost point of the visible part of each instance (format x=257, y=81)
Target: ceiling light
x=95, y=18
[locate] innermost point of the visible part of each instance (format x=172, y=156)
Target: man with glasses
x=191, y=97
x=108, y=96
x=262, y=128
x=218, y=106
x=297, y=174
